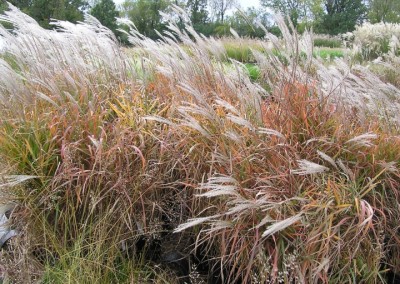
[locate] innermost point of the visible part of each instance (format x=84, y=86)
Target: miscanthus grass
x=126, y=163
x=373, y=40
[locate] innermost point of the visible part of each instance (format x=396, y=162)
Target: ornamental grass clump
x=374, y=40
x=322, y=40
x=290, y=199
x=241, y=51
x=158, y=165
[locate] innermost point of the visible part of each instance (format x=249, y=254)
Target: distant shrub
x=254, y=71
x=239, y=53
x=374, y=40
x=388, y=69
x=275, y=31
x=222, y=30
x=327, y=42
x=329, y=53
x=242, y=51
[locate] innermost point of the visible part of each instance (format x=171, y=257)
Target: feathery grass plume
x=307, y=168
x=327, y=158
x=363, y=140
x=386, y=68
x=364, y=92
x=344, y=83
x=192, y=222
x=278, y=226
x=13, y=180
x=48, y=62
x=375, y=40
x=219, y=185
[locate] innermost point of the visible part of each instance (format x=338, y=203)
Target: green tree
x=45, y=10
x=105, y=11
x=198, y=11
x=23, y=5
x=245, y=23
x=384, y=11
x=220, y=7
x=295, y=9
x=145, y=15
x=342, y=16
x=3, y=6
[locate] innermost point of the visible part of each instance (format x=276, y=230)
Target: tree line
x=336, y=16
x=216, y=17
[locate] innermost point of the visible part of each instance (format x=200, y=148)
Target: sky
x=249, y=3
x=243, y=3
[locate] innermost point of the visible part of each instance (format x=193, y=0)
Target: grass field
x=329, y=53
x=180, y=161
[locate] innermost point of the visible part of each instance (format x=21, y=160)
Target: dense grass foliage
x=329, y=54
x=374, y=40
x=327, y=42
x=171, y=162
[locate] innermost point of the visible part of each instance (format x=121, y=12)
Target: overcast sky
x=249, y=3
x=243, y=3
